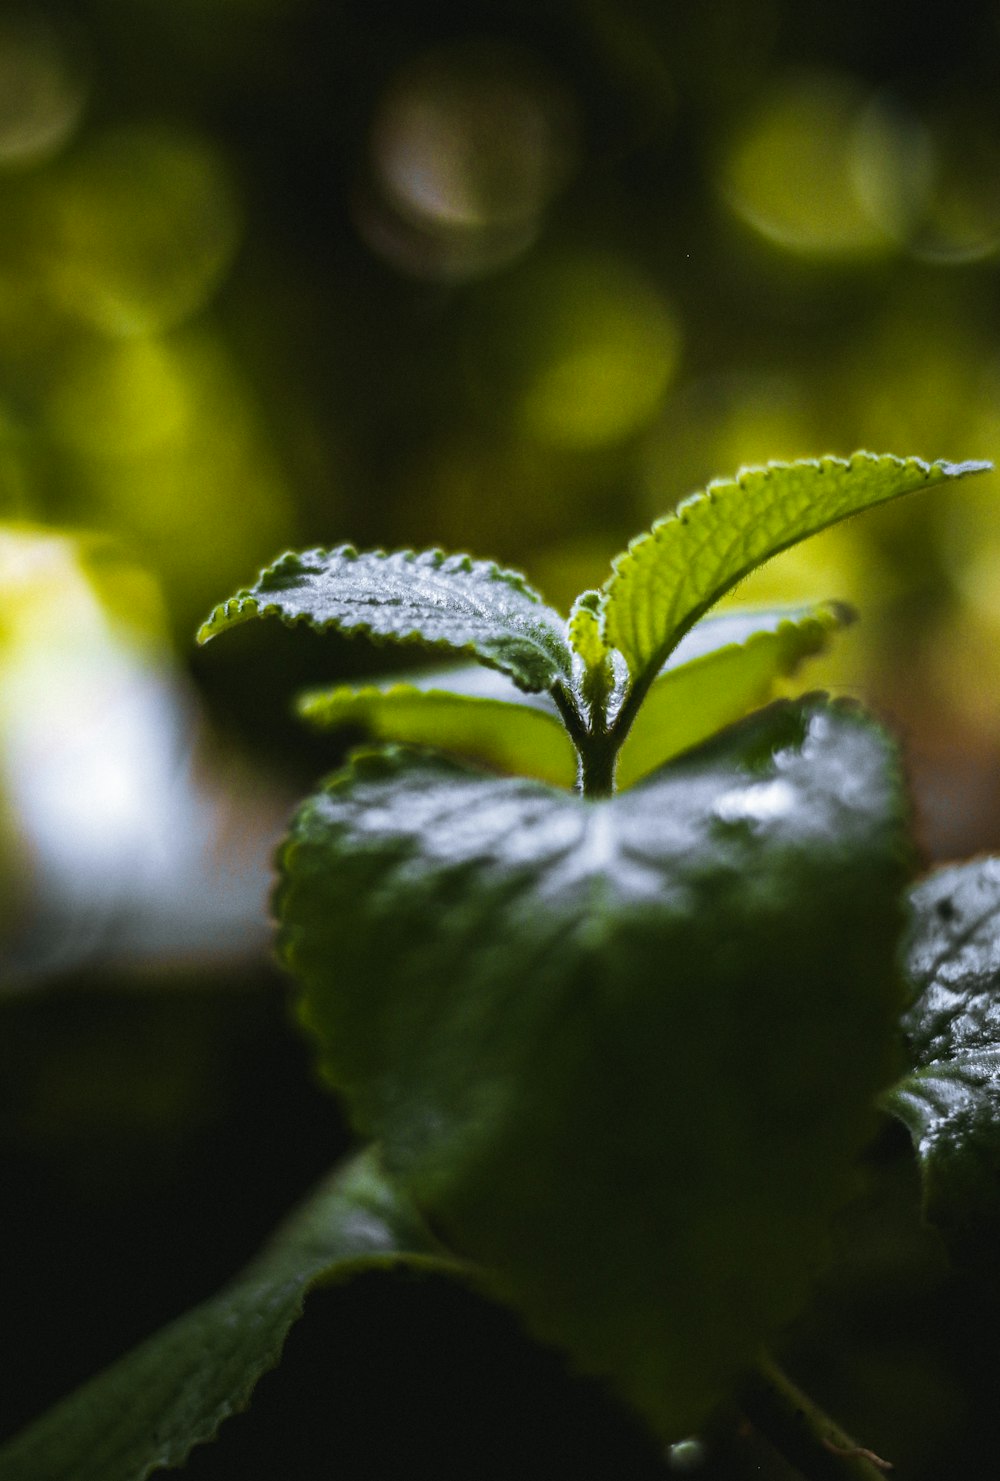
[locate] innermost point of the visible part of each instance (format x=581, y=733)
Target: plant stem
x=802, y=1432
x=597, y=747
x=571, y=717
x=598, y=760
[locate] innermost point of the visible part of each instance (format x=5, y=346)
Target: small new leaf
x=587, y=642
x=623, y=1052
x=148, y=1411
x=950, y=1101
x=669, y=577
x=443, y=601
x=584, y=629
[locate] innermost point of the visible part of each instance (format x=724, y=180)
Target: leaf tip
x=238, y=608
x=958, y=470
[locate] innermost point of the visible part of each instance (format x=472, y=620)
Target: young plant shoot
x=604, y=960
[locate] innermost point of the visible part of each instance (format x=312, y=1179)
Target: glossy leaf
x=505, y=735
x=727, y=666
x=621, y=1053
x=689, y=559
x=148, y=1411
x=951, y=1099
x=445, y=601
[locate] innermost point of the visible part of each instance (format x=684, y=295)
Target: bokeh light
x=960, y=221
x=721, y=422
x=136, y=229
x=43, y=89
x=105, y=825
x=168, y=444
x=469, y=144
x=824, y=170
x=582, y=349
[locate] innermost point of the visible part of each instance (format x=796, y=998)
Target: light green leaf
x=621, y=1053
x=584, y=630
x=596, y=658
x=148, y=1411
x=727, y=666
x=444, y=601
x=508, y=736
x=950, y=1101
x=669, y=577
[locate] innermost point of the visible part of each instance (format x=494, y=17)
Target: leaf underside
x=728, y=665
x=950, y=1101
x=152, y=1407
x=502, y=734
x=689, y=559
x=620, y=1053
x=444, y=601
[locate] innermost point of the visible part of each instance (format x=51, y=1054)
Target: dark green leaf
x=445, y=601
x=951, y=1100
x=621, y=1053
x=147, y=1411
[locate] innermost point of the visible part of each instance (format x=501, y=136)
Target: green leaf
x=669, y=577
x=596, y=659
x=148, y=1411
x=727, y=666
x=951, y=1099
x=621, y=1053
x=508, y=736
x=584, y=630
x=444, y=601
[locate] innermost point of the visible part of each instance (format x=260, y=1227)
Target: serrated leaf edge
x=694, y=502
x=245, y=603
x=277, y=1287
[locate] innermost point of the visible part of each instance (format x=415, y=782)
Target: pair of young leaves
x=624, y=663
x=624, y=1051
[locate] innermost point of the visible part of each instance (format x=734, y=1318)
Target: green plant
x=617, y=1051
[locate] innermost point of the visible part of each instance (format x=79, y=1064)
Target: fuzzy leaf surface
x=585, y=636
x=621, y=1053
x=689, y=559
x=147, y=1411
x=950, y=1101
x=445, y=601
x=502, y=734
x=727, y=666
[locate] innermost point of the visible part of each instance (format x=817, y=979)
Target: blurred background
x=505, y=277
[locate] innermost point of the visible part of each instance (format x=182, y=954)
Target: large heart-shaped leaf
x=445, y=601
x=622, y=1053
x=951, y=1100
x=148, y=1411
